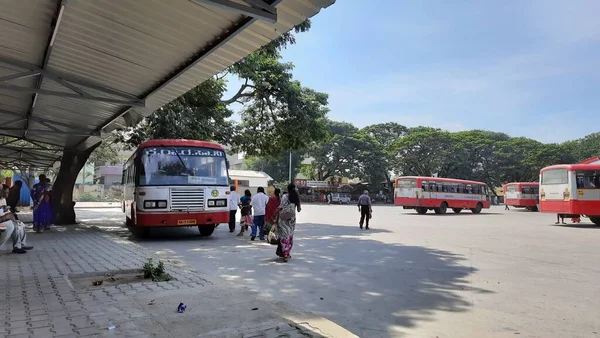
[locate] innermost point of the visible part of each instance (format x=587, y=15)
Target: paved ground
x=498, y=274
x=37, y=297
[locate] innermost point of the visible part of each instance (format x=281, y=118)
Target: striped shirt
x=364, y=200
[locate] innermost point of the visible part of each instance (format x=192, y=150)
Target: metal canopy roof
x=73, y=69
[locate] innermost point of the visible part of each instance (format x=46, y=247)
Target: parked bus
x=571, y=190
x=176, y=183
x=522, y=195
x=439, y=194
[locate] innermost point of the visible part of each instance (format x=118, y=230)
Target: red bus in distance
x=438, y=194
x=522, y=195
x=571, y=190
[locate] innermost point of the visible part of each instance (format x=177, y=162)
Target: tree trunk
x=62, y=189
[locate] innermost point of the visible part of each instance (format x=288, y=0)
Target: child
x=246, y=212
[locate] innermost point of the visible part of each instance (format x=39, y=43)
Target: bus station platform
x=42, y=295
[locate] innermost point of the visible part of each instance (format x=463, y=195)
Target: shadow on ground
x=350, y=276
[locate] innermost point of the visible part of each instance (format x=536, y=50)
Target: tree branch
x=239, y=94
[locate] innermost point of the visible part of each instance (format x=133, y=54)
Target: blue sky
x=527, y=68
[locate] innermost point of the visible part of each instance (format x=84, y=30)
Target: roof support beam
x=38, y=91
x=20, y=75
x=42, y=132
x=257, y=9
x=66, y=80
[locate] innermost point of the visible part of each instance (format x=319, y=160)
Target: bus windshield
x=555, y=176
x=182, y=166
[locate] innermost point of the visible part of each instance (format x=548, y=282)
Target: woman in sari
x=290, y=203
x=272, y=209
x=246, y=220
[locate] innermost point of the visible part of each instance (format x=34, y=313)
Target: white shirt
x=259, y=204
x=234, y=200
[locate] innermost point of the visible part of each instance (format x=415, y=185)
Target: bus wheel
x=457, y=210
x=421, y=210
x=477, y=209
x=140, y=232
x=533, y=208
x=206, y=230
x=442, y=209
x=595, y=220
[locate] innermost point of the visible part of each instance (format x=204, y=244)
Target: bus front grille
x=187, y=200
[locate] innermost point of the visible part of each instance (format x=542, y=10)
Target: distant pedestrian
x=272, y=210
x=365, y=209
x=506, y=206
x=259, y=207
x=234, y=204
x=560, y=218
x=246, y=212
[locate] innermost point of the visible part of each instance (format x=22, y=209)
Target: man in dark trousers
x=234, y=203
x=364, y=207
x=14, y=196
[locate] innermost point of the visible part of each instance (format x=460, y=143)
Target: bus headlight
x=155, y=204
x=217, y=203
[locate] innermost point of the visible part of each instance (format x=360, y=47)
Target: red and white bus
x=176, y=183
x=522, y=195
x=571, y=190
x=439, y=194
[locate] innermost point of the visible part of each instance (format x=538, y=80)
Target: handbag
x=288, y=212
x=272, y=237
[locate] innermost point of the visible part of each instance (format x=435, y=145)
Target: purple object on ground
x=181, y=308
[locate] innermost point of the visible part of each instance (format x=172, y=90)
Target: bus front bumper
x=172, y=219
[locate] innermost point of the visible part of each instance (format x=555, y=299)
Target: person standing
x=38, y=192
x=259, y=206
x=14, y=196
x=290, y=203
x=234, y=203
x=272, y=209
x=364, y=207
x=246, y=211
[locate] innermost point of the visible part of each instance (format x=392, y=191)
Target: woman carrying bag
x=290, y=203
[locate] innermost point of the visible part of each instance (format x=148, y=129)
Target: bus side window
x=432, y=186
x=425, y=186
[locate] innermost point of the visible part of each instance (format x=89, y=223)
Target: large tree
x=279, y=115
x=378, y=157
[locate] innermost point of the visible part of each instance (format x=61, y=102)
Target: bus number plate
x=186, y=222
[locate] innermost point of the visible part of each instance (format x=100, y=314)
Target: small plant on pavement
x=156, y=273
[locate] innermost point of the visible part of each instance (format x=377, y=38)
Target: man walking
x=364, y=207
x=234, y=203
x=259, y=205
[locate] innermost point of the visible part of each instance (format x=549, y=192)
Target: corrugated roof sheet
x=136, y=48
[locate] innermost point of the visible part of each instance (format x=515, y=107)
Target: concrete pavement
x=38, y=297
x=498, y=274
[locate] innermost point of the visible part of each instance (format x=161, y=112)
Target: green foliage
x=108, y=152
x=156, y=273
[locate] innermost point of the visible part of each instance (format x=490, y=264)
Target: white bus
x=176, y=183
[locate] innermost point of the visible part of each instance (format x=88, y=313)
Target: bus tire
x=477, y=209
x=457, y=210
x=140, y=232
x=533, y=208
x=206, y=230
x=595, y=220
x=421, y=210
x=442, y=209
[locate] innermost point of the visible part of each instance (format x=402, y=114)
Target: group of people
x=264, y=214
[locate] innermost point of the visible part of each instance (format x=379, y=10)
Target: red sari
x=271, y=209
